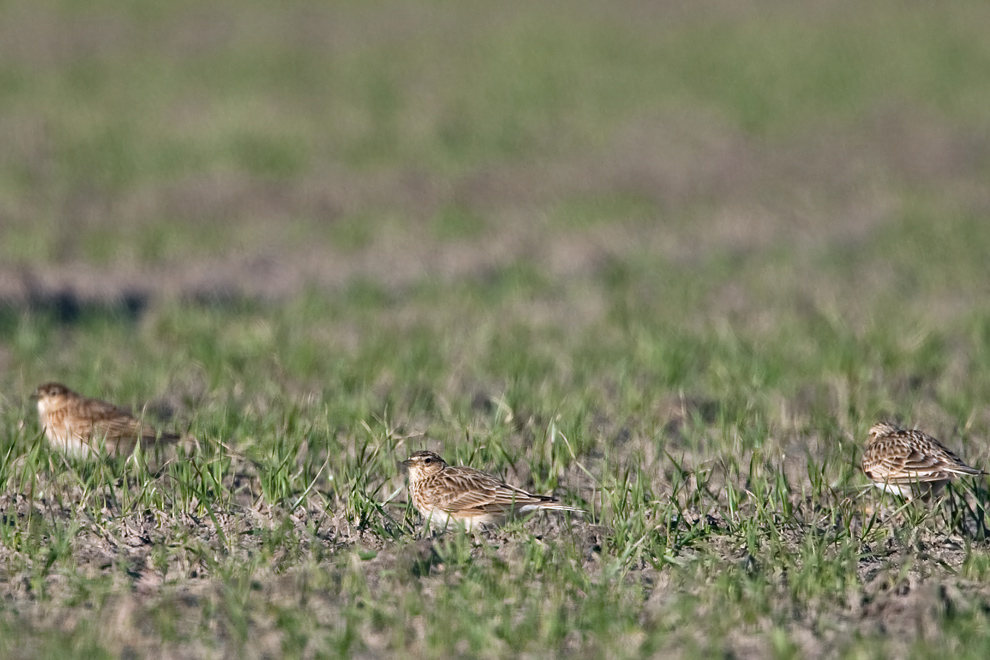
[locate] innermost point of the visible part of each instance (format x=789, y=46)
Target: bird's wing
x=955, y=465
x=899, y=462
x=469, y=489
x=109, y=421
x=113, y=422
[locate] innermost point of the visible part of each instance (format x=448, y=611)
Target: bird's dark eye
x=428, y=460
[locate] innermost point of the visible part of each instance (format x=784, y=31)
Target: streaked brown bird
x=462, y=496
x=85, y=427
x=906, y=461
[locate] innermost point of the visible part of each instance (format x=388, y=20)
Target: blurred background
x=694, y=164
x=260, y=147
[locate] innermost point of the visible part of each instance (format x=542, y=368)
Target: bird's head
x=882, y=429
x=50, y=395
x=423, y=463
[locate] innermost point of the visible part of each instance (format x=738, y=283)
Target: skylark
x=903, y=461
x=467, y=497
x=84, y=427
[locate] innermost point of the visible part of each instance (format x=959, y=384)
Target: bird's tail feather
x=554, y=505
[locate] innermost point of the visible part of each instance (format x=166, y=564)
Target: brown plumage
x=80, y=426
x=465, y=496
x=904, y=460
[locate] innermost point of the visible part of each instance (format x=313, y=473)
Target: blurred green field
x=668, y=261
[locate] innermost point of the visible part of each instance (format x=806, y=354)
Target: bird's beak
x=34, y=396
x=406, y=464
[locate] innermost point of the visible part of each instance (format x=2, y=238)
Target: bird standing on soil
x=84, y=427
x=466, y=497
x=904, y=460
